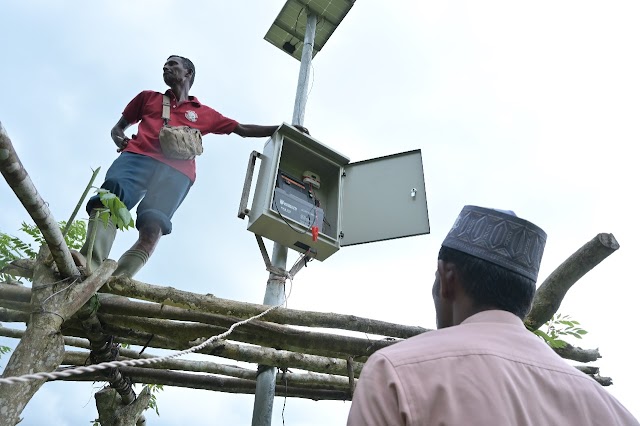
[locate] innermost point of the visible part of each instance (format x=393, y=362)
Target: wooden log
x=239, y=352
x=127, y=287
x=262, y=334
x=219, y=384
x=306, y=380
x=125, y=334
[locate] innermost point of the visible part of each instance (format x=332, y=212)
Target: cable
x=59, y=291
x=295, y=26
x=310, y=225
x=313, y=78
x=284, y=376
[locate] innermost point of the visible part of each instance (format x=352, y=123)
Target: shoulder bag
x=179, y=142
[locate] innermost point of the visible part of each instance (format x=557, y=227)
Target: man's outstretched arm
x=258, y=131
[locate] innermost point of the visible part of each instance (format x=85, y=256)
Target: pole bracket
x=280, y=274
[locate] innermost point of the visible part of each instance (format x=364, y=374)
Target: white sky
x=525, y=106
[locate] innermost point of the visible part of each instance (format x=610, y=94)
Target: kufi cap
x=499, y=237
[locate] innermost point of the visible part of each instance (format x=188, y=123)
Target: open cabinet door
x=384, y=198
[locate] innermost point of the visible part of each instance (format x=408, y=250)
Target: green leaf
x=124, y=215
x=153, y=401
x=104, y=217
x=119, y=212
x=542, y=334
x=557, y=343
x=576, y=335
x=107, y=196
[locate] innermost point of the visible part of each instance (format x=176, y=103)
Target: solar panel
x=287, y=31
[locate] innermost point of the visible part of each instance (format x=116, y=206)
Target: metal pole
x=305, y=66
x=275, y=293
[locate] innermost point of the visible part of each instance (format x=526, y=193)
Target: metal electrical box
x=303, y=184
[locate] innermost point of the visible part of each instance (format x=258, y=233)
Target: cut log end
x=608, y=240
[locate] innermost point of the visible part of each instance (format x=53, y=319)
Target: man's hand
x=301, y=128
x=118, y=136
x=257, y=131
x=121, y=142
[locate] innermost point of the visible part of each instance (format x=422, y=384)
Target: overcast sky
x=531, y=107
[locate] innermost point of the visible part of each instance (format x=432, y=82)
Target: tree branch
x=551, y=292
x=113, y=411
x=20, y=268
x=79, y=294
x=18, y=179
x=578, y=354
x=40, y=349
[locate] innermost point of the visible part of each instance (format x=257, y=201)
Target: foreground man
x=482, y=366
x=144, y=174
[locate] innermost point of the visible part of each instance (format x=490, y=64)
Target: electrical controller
x=310, y=198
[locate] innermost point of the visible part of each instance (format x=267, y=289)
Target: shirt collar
x=498, y=316
x=192, y=99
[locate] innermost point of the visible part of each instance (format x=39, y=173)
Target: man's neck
x=181, y=92
x=465, y=312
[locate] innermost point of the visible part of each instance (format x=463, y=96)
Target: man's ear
x=448, y=280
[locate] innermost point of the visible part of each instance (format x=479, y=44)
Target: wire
x=288, y=224
x=310, y=225
x=59, y=291
x=284, y=376
x=313, y=77
x=295, y=26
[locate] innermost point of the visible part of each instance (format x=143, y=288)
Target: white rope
x=133, y=362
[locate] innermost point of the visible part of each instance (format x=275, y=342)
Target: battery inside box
x=293, y=200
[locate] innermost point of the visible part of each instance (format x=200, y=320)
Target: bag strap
x=166, y=109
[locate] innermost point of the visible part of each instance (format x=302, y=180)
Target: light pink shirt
x=489, y=370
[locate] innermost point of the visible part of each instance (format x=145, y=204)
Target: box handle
x=242, y=209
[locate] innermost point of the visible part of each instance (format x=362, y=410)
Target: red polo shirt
x=146, y=108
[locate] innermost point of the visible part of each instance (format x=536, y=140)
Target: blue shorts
x=134, y=177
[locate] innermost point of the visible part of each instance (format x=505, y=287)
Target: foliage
x=4, y=350
x=12, y=248
x=153, y=402
x=560, y=325
x=120, y=215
